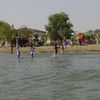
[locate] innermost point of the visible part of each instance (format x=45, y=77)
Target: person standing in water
x=31, y=46
x=55, y=49
x=17, y=46
x=12, y=44
x=11, y=48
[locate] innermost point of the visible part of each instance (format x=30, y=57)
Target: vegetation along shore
x=59, y=31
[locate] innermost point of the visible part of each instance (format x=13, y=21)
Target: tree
x=59, y=26
x=97, y=31
x=5, y=31
x=24, y=32
x=89, y=35
x=97, y=35
x=90, y=32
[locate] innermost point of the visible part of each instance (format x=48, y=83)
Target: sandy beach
x=49, y=49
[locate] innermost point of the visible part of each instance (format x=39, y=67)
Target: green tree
x=24, y=32
x=97, y=31
x=89, y=35
x=59, y=26
x=5, y=31
x=97, y=35
x=90, y=32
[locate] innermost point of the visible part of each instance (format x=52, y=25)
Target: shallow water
x=69, y=76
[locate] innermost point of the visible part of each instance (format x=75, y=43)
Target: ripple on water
x=68, y=76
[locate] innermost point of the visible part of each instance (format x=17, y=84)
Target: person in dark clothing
x=11, y=48
x=12, y=44
x=55, y=49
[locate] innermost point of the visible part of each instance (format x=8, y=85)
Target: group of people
x=17, y=45
x=57, y=46
x=62, y=44
x=80, y=39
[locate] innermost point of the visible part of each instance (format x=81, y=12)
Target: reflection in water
x=71, y=76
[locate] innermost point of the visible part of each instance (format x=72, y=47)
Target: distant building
x=41, y=35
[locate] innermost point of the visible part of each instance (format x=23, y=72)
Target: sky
x=83, y=14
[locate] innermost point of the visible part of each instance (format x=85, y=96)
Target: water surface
x=68, y=76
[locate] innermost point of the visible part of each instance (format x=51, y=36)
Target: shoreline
x=50, y=49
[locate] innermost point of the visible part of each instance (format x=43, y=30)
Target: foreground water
x=69, y=76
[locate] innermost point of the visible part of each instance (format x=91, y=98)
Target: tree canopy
x=24, y=32
x=59, y=26
x=5, y=31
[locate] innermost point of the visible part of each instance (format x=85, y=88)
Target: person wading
x=55, y=49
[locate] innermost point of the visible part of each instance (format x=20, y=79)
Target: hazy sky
x=84, y=14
